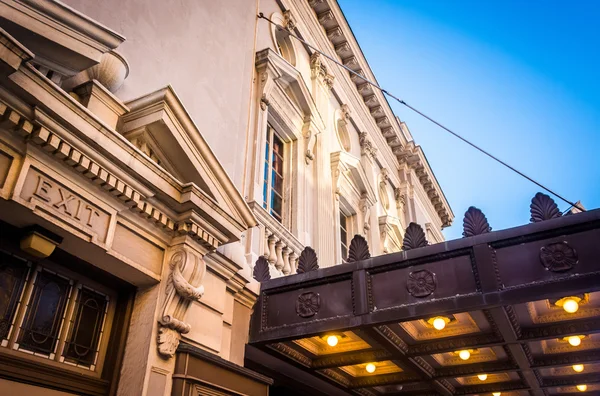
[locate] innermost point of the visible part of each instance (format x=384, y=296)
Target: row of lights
x=569, y=304
x=332, y=340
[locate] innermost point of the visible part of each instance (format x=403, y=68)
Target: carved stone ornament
x=310, y=139
x=365, y=209
x=543, y=208
x=264, y=102
x=558, y=257
x=308, y=304
x=421, y=283
x=475, y=223
x=308, y=261
x=180, y=292
x=400, y=199
x=359, y=249
x=261, y=269
x=289, y=22
x=414, y=237
x=367, y=147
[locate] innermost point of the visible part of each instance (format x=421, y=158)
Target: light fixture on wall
x=464, y=354
x=370, y=368
x=439, y=322
x=582, y=388
x=497, y=393
x=482, y=377
x=578, y=368
x=570, y=304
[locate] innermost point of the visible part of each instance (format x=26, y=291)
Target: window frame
x=57, y=359
x=345, y=209
x=343, y=229
x=268, y=174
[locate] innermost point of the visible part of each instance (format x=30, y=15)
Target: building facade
x=141, y=179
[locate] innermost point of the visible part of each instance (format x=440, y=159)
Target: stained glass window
x=273, y=177
x=13, y=274
x=45, y=313
x=344, y=235
x=86, y=328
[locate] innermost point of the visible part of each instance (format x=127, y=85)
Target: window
x=273, y=178
x=344, y=235
x=285, y=47
x=49, y=314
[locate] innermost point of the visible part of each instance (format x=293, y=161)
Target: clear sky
x=519, y=78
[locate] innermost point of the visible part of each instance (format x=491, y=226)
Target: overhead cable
x=385, y=92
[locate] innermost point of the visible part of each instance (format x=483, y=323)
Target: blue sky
x=519, y=78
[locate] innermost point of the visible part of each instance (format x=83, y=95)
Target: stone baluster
x=293, y=262
x=278, y=249
x=267, y=252
x=272, y=255
x=287, y=269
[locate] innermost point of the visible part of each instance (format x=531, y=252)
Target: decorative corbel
x=385, y=175
x=264, y=102
x=366, y=146
x=319, y=70
x=289, y=22
x=365, y=207
x=267, y=75
x=180, y=293
x=310, y=140
x=317, y=67
x=400, y=199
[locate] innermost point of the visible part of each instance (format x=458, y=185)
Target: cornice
x=74, y=135
x=276, y=68
x=170, y=98
x=18, y=50
x=330, y=17
x=38, y=134
x=344, y=166
x=53, y=12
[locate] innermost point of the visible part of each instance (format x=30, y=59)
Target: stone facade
x=144, y=160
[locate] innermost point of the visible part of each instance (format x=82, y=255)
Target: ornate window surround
x=288, y=106
x=280, y=38
x=391, y=233
x=353, y=192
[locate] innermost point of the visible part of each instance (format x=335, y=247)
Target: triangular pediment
x=161, y=128
x=350, y=178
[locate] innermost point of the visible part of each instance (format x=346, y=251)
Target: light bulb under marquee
x=578, y=368
x=574, y=340
x=570, y=305
x=497, y=393
x=439, y=323
x=370, y=368
x=332, y=340
x=482, y=377
x=464, y=355
x=582, y=388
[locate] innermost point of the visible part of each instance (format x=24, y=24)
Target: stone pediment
x=161, y=128
x=350, y=178
x=277, y=72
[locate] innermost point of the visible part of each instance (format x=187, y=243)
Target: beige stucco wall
x=204, y=49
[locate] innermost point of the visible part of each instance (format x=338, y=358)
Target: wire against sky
x=573, y=204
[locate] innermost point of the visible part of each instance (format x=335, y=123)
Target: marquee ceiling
x=501, y=297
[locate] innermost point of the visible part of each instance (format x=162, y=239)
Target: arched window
x=283, y=42
x=341, y=130
x=383, y=195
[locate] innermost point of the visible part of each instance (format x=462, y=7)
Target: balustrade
x=280, y=247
